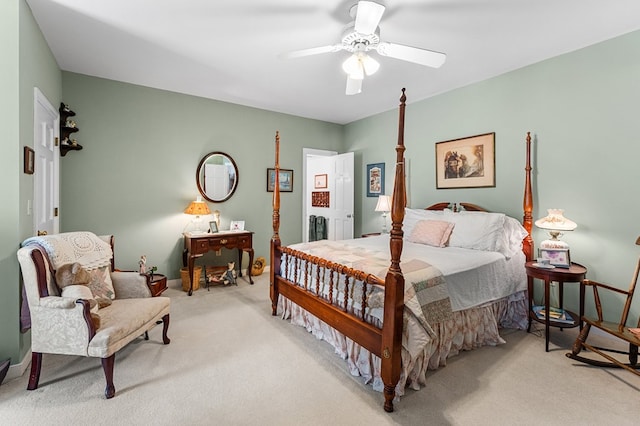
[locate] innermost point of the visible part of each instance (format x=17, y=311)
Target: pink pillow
x=432, y=232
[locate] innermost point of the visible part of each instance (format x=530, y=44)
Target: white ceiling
x=229, y=49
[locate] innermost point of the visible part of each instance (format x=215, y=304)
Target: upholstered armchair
x=63, y=325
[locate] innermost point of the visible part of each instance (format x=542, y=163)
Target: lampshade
x=384, y=203
x=198, y=208
x=556, y=224
x=384, y=206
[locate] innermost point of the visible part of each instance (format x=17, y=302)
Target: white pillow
x=476, y=230
x=431, y=232
x=413, y=216
x=512, y=236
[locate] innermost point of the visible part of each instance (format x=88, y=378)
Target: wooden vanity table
x=196, y=245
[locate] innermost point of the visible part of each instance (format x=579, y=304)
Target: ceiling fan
x=361, y=36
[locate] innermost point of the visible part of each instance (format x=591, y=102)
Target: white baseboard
x=17, y=370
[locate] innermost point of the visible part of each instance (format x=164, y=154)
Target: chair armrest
x=605, y=286
x=61, y=325
x=57, y=302
x=130, y=285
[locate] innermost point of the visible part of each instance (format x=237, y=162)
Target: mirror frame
x=199, y=172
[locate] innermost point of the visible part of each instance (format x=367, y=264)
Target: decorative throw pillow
x=101, y=285
x=413, y=216
x=431, y=232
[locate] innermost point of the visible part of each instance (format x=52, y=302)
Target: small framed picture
x=286, y=180
x=557, y=257
x=213, y=227
x=320, y=181
x=29, y=160
x=375, y=179
x=237, y=225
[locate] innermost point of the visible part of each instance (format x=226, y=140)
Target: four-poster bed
x=357, y=299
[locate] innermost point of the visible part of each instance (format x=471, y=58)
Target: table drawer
x=216, y=243
x=244, y=241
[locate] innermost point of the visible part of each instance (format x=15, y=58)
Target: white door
x=46, y=166
x=332, y=175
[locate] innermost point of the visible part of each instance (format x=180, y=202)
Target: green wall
x=27, y=63
x=136, y=173
x=581, y=109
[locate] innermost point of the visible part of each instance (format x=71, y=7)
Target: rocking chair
x=619, y=329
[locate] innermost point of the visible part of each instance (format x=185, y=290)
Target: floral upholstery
x=62, y=325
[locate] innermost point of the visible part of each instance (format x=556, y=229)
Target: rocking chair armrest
x=596, y=284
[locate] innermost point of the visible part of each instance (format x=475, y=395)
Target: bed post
x=275, y=239
x=394, y=281
x=527, y=204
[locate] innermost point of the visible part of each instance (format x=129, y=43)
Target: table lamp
x=556, y=224
x=198, y=208
x=384, y=206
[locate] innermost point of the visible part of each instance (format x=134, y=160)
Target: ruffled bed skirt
x=468, y=329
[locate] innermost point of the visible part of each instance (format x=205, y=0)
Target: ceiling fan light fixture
x=352, y=65
x=370, y=65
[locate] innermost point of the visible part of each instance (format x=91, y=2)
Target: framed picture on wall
x=29, y=160
x=466, y=162
x=286, y=180
x=319, y=181
x=375, y=179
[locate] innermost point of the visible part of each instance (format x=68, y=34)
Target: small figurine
x=143, y=264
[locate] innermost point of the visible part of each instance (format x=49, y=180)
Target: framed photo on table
x=213, y=227
x=237, y=225
x=559, y=258
x=375, y=179
x=466, y=162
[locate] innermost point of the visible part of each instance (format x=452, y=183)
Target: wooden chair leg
x=633, y=355
x=582, y=337
x=165, y=328
x=107, y=366
x=36, y=365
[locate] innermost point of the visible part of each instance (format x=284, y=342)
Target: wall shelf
x=66, y=131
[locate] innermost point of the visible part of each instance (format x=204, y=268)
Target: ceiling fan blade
x=368, y=17
x=312, y=51
x=416, y=55
x=354, y=86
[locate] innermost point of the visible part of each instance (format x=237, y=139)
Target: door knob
x=41, y=233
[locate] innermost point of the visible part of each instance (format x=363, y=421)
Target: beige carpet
x=223, y=367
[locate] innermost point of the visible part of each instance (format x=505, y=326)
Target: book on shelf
x=556, y=314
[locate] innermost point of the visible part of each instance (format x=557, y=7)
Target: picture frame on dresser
x=213, y=227
x=237, y=225
x=466, y=162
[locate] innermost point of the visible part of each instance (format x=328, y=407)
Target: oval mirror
x=217, y=177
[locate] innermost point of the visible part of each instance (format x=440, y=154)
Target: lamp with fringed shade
x=197, y=208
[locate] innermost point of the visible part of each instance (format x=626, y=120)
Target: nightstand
x=575, y=273
x=371, y=234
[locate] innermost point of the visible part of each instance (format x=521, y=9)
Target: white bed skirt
x=468, y=329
